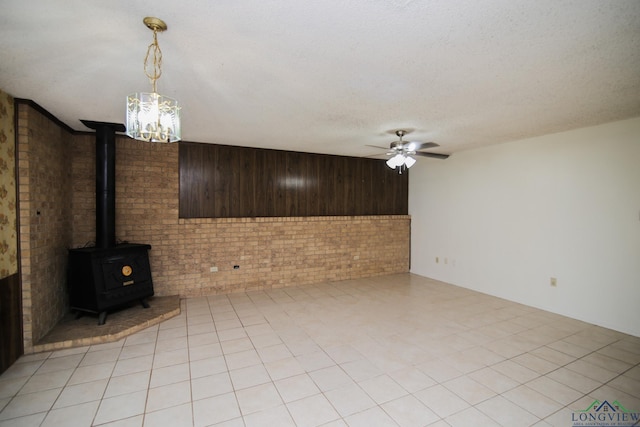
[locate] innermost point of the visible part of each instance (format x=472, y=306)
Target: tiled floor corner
x=398, y=350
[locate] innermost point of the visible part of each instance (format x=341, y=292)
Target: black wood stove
x=109, y=275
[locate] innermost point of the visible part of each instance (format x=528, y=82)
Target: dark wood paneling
x=368, y=197
x=220, y=181
x=11, y=344
x=328, y=194
x=197, y=178
x=339, y=178
x=247, y=184
x=294, y=183
x=223, y=185
x=312, y=186
x=266, y=197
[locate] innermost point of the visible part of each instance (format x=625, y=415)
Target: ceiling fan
x=403, y=150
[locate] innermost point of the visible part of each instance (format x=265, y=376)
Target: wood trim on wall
x=46, y=113
x=220, y=181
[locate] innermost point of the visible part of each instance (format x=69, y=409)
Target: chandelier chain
x=153, y=49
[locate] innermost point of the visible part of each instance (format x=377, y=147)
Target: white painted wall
x=505, y=219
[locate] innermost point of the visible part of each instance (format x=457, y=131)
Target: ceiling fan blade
x=422, y=145
x=434, y=155
x=377, y=146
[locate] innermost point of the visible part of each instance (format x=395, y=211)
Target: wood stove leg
x=144, y=303
x=78, y=314
x=102, y=317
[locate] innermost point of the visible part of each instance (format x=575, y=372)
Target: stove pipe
x=105, y=181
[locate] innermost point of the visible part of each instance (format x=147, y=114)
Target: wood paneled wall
x=219, y=181
x=10, y=321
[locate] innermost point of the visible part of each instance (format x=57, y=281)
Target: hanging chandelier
x=150, y=116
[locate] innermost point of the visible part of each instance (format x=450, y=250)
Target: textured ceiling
x=332, y=76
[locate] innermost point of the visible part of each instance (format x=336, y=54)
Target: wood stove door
x=126, y=270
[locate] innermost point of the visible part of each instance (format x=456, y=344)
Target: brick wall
x=56, y=179
x=270, y=252
x=45, y=220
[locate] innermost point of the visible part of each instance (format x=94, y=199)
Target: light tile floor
x=399, y=350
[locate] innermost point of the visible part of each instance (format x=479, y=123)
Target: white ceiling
x=331, y=76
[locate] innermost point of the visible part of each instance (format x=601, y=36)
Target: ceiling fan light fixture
x=150, y=116
x=400, y=160
x=409, y=161
x=395, y=161
x=402, y=152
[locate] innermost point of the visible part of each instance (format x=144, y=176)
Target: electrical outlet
x=213, y=269
x=553, y=281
